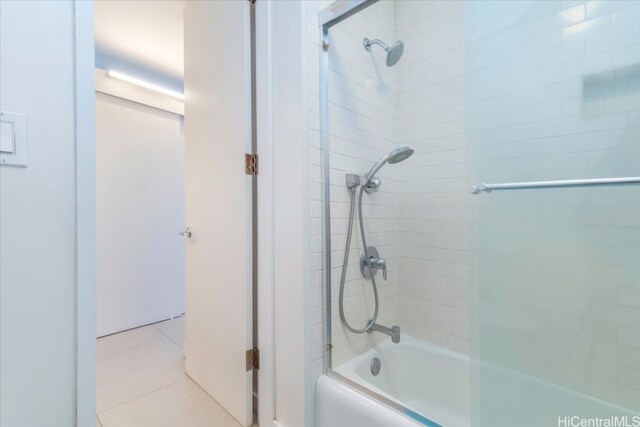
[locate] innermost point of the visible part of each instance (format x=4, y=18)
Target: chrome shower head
x=396, y=156
x=399, y=154
x=394, y=53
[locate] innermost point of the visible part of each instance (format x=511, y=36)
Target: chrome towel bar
x=477, y=189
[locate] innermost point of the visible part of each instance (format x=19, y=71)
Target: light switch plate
x=7, y=138
x=13, y=139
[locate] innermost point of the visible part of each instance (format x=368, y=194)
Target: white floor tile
x=129, y=341
x=173, y=329
x=134, y=374
x=183, y=404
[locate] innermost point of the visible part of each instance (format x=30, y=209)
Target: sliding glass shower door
x=555, y=144
x=511, y=237
x=559, y=304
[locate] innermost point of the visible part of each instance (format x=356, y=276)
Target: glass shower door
x=559, y=304
x=556, y=333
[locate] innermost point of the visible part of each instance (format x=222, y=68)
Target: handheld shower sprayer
x=368, y=180
x=395, y=156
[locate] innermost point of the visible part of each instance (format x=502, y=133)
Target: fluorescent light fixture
x=142, y=83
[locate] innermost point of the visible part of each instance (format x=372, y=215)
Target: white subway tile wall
x=490, y=91
x=363, y=110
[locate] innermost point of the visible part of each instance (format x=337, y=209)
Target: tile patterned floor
x=141, y=382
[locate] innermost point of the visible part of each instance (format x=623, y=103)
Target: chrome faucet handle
x=383, y=266
x=380, y=264
x=370, y=263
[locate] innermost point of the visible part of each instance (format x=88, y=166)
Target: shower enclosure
x=509, y=241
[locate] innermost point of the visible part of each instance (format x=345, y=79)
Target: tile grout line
x=147, y=346
x=212, y=399
x=167, y=336
x=186, y=377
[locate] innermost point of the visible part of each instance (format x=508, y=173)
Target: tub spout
x=393, y=332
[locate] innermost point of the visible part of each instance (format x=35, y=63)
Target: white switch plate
x=7, y=138
x=13, y=139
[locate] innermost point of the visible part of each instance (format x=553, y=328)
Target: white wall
x=140, y=210
x=290, y=215
x=38, y=218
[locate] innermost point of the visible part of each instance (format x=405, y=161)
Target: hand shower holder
x=370, y=185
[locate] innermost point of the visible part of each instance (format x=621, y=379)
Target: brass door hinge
x=253, y=359
x=251, y=164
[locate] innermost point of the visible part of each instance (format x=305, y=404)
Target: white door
x=218, y=202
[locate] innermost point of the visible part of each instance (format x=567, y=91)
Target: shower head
x=394, y=53
x=399, y=154
x=396, y=156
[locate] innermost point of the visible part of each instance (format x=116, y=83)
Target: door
x=218, y=202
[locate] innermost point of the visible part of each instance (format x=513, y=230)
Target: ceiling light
x=144, y=84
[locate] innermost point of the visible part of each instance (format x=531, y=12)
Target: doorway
x=175, y=246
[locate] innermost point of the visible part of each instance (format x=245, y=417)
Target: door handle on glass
x=186, y=233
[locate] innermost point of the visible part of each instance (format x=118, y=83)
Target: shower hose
x=346, y=262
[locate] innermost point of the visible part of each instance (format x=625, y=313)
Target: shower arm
x=368, y=43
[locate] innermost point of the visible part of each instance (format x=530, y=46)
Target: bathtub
x=423, y=384
x=430, y=381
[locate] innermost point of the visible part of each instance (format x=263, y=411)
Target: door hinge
x=251, y=164
x=253, y=359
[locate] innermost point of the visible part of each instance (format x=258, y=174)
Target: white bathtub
x=429, y=380
x=434, y=384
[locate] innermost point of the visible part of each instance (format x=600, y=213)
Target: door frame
x=282, y=219
x=283, y=318
x=282, y=207
x=85, y=140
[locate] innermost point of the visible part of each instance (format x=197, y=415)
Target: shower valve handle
x=380, y=264
x=370, y=263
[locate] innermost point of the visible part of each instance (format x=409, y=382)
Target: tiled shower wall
x=434, y=275
x=363, y=109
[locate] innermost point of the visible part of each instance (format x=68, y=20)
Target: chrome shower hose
x=346, y=262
